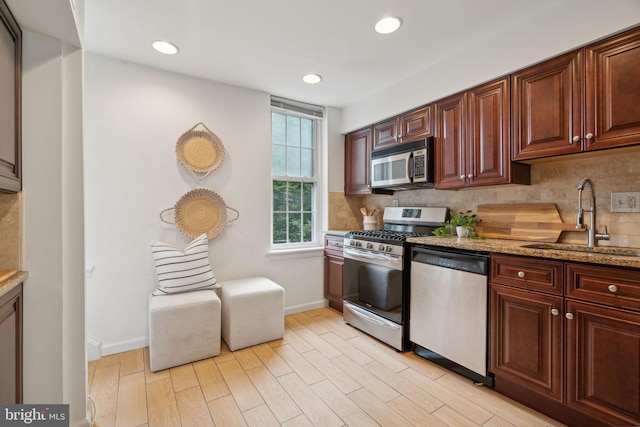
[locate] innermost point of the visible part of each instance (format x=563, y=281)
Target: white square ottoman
x=183, y=328
x=252, y=312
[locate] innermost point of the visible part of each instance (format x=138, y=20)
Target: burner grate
x=386, y=235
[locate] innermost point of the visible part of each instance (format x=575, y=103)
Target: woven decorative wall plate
x=200, y=151
x=200, y=211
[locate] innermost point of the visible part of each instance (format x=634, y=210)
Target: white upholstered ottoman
x=252, y=311
x=183, y=328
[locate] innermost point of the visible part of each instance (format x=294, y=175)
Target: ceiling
x=270, y=45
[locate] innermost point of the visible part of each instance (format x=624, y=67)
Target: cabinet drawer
x=604, y=285
x=527, y=273
x=333, y=245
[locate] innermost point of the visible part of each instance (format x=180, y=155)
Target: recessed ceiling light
x=388, y=25
x=312, y=78
x=165, y=47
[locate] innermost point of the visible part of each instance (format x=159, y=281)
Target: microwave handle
x=410, y=167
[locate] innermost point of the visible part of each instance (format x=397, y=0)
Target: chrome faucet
x=592, y=236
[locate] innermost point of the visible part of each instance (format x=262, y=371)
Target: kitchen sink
x=604, y=250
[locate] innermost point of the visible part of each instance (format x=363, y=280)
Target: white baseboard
x=306, y=307
x=126, y=345
x=94, y=349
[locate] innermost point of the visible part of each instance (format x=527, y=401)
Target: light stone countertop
x=11, y=282
x=516, y=247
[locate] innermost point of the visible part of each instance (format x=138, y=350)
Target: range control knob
x=381, y=248
x=369, y=245
x=389, y=249
x=352, y=242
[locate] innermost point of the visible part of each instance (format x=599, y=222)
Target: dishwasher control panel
x=458, y=260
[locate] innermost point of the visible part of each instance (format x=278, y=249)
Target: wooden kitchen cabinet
x=10, y=102
x=526, y=345
x=406, y=127
x=451, y=141
x=333, y=266
x=357, y=159
x=603, y=341
x=546, y=105
x=11, y=348
x=603, y=373
x=611, y=92
x=580, y=101
x=472, y=138
x=573, y=355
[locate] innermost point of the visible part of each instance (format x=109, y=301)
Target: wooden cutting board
x=539, y=222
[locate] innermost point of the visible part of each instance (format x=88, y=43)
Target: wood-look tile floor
x=323, y=373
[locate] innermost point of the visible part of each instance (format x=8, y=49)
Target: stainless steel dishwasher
x=448, y=309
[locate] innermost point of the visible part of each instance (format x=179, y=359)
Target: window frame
x=316, y=199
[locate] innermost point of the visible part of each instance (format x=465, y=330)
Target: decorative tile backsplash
x=552, y=181
x=10, y=231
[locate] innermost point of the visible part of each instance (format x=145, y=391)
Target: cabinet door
x=526, y=340
x=357, y=154
x=11, y=348
x=603, y=373
x=489, y=155
x=416, y=124
x=333, y=267
x=10, y=101
x=450, y=143
x=546, y=103
x=612, y=92
x=386, y=133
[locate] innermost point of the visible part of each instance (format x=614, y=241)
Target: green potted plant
x=462, y=224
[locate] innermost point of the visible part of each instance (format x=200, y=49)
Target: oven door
x=391, y=170
x=374, y=282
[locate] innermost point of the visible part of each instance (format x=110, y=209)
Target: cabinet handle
x=569, y=316
x=576, y=138
x=470, y=176
x=521, y=274
x=555, y=311
x=613, y=288
x=462, y=177
x=589, y=136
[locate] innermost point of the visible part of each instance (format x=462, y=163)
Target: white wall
x=54, y=334
x=133, y=117
x=567, y=24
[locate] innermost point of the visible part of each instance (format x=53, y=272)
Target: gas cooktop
x=383, y=235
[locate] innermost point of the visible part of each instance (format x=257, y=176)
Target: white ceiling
x=268, y=45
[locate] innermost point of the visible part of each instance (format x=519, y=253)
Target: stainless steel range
x=376, y=273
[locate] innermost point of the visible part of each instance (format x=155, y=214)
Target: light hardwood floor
x=323, y=373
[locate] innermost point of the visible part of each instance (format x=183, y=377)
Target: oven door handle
x=372, y=256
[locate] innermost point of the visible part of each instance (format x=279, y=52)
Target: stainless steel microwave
x=403, y=166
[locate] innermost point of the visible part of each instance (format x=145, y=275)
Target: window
x=294, y=174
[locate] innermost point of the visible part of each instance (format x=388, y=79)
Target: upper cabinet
x=583, y=100
x=407, y=127
x=10, y=101
x=612, y=92
x=472, y=138
x=357, y=155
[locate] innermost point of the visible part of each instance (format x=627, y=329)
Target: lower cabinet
x=603, y=362
x=333, y=266
x=528, y=336
x=11, y=346
x=576, y=360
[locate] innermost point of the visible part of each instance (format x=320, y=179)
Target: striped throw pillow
x=186, y=271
